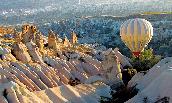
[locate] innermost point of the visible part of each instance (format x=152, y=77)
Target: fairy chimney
x=20, y=52
x=33, y=50
x=28, y=33
x=74, y=38
x=40, y=41
x=111, y=67
x=52, y=43
x=18, y=37
x=66, y=42
x=58, y=39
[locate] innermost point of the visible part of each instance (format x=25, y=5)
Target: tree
x=146, y=60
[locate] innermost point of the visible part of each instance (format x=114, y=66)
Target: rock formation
x=6, y=30
x=74, y=38
x=111, y=67
x=34, y=52
x=156, y=80
x=66, y=42
x=122, y=59
x=28, y=33
x=40, y=42
x=18, y=37
x=52, y=40
x=20, y=52
x=82, y=93
x=35, y=68
x=7, y=54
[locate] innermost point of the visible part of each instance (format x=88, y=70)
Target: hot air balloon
x=136, y=34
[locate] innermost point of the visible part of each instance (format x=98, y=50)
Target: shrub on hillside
x=145, y=61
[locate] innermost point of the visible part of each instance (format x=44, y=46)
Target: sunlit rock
x=28, y=33
x=40, y=42
x=154, y=86
x=20, y=52
x=34, y=52
x=66, y=42
x=6, y=54
x=122, y=59
x=93, y=79
x=52, y=40
x=74, y=38
x=111, y=67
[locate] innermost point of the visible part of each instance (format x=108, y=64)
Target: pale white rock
x=93, y=61
x=25, y=96
x=3, y=99
x=23, y=72
x=34, y=52
x=71, y=66
x=5, y=51
x=157, y=89
x=51, y=95
x=9, y=89
x=45, y=79
x=71, y=94
x=20, y=51
x=135, y=79
x=83, y=93
x=111, y=67
x=107, y=52
x=49, y=75
x=61, y=56
x=154, y=72
x=57, y=65
x=82, y=77
x=64, y=64
x=11, y=95
x=155, y=84
x=102, y=89
x=63, y=79
x=7, y=54
x=109, y=60
x=90, y=69
x=72, y=55
x=99, y=55
x=122, y=59
x=78, y=66
x=27, y=75
x=93, y=79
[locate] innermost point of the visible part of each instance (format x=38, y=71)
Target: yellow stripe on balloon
x=136, y=34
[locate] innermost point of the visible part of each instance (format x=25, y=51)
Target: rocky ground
x=31, y=64
x=35, y=68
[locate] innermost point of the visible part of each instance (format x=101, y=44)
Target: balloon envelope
x=136, y=34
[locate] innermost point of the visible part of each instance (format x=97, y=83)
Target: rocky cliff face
x=83, y=93
x=155, y=85
x=31, y=66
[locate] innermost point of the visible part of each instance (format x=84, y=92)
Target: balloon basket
x=136, y=54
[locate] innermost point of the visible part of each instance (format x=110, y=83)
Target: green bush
x=145, y=61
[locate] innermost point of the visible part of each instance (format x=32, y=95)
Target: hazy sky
x=112, y=1
x=81, y=1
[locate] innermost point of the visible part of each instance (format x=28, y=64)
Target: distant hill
x=21, y=11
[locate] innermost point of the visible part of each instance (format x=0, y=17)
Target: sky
x=113, y=1
x=79, y=1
